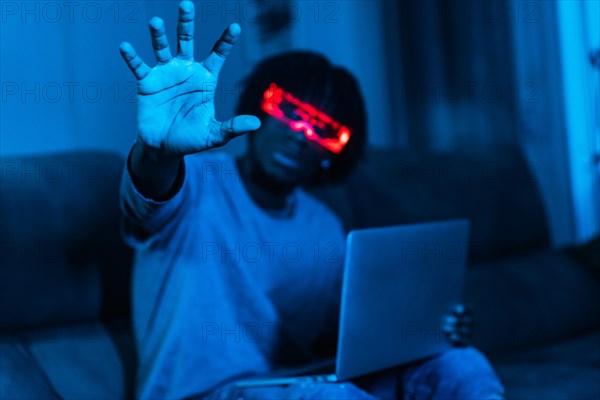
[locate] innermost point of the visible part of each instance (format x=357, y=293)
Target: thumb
x=239, y=125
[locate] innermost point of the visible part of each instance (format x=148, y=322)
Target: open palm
x=176, y=114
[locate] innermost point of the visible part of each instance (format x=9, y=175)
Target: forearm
x=154, y=176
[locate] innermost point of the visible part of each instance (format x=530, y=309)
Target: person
x=238, y=269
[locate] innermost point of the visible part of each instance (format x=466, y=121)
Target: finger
x=134, y=62
x=185, y=31
x=450, y=319
x=449, y=326
x=222, y=132
x=159, y=41
x=221, y=49
x=461, y=310
x=238, y=126
x=458, y=309
x=455, y=338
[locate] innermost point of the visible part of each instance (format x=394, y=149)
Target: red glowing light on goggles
x=308, y=117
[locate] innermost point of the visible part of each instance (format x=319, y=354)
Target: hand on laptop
x=458, y=325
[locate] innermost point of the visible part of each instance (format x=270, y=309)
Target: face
x=296, y=138
x=317, y=126
x=286, y=155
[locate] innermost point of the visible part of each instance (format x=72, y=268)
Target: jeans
x=457, y=374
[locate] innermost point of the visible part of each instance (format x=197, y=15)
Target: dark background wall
x=437, y=75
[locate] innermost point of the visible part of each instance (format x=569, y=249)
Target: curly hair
x=313, y=79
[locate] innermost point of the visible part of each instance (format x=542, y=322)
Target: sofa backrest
x=62, y=259
x=495, y=191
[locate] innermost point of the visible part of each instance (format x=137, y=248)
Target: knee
x=463, y=373
x=469, y=369
x=466, y=360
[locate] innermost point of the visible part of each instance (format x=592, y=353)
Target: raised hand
x=176, y=114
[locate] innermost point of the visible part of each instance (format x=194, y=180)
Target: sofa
x=65, y=274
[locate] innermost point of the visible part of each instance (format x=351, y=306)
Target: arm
x=154, y=177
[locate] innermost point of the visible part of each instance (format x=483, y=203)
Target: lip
x=286, y=160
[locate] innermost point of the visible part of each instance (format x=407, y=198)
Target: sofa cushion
x=21, y=377
x=82, y=361
x=61, y=255
x=568, y=370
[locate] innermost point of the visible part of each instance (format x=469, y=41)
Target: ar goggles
x=316, y=125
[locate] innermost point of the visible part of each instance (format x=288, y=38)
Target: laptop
x=399, y=282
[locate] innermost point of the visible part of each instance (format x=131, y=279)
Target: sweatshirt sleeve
x=144, y=220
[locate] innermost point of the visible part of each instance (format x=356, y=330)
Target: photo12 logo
x=52, y=172
x=68, y=92
x=54, y=12
x=270, y=252
x=237, y=332
x=326, y=12
x=434, y=251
